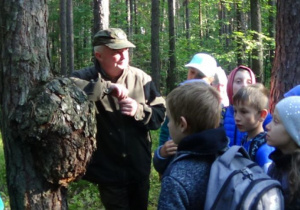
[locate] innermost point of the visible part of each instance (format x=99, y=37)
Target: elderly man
x=128, y=107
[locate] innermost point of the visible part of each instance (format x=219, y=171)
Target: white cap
x=204, y=63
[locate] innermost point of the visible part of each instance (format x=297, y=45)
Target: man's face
x=113, y=61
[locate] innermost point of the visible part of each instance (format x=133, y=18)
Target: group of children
x=194, y=137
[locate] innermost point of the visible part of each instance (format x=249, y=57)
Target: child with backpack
x=194, y=114
x=284, y=134
x=240, y=77
x=202, y=67
x=250, y=111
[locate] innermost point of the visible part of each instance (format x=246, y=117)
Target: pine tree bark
x=239, y=28
x=257, y=53
x=70, y=36
x=101, y=15
x=155, y=53
x=48, y=128
x=63, y=37
x=171, y=78
x=286, y=68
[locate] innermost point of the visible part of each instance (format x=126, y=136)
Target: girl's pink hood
x=231, y=79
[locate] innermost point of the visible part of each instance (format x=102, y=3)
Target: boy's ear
x=263, y=114
x=183, y=124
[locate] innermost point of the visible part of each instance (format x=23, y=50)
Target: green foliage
x=83, y=194
x=223, y=47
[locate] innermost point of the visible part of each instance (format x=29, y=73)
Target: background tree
x=155, y=58
x=63, y=37
x=286, y=69
x=257, y=52
x=70, y=36
x=101, y=15
x=171, y=80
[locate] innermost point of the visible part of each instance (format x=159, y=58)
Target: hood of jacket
x=210, y=141
x=231, y=79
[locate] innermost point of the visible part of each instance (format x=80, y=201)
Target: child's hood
x=231, y=79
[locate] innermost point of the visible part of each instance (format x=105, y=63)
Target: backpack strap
x=228, y=156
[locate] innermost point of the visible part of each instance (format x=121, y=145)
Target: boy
x=250, y=110
x=194, y=114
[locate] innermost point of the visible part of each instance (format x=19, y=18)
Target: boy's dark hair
x=255, y=95
x=198, y=102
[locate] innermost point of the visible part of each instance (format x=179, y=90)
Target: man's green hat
x=114, y=38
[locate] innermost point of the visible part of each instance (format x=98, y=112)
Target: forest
x=46, y=39
x=232, y=31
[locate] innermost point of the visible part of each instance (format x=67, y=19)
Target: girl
x=284, y=134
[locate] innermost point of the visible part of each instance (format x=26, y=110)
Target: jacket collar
x=206, y=142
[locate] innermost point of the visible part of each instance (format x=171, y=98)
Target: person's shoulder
x=138, y=72
x=86, y=73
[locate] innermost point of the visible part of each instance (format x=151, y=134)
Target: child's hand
x=168, y=149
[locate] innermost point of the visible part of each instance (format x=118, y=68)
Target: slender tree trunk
x=200, y=21
x=63, y=37
x=286, y=68
x=164, y=15
x=271, y=27
x=240, y=46
x=257, y=53
x=101, y=15
x=70, y=36
x=155, y=53
x=135, y=15
x=171, y=79
x=187, y=20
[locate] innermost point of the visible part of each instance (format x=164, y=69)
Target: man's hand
x=168, y=149
x=118, y=91
x=128, y=106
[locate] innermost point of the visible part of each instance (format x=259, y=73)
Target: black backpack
x=236, y=182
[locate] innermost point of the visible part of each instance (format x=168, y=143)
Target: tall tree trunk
x=24, y=62
x=41, y=153
x=257, y=53
x=271, y=27
x=135, y=15
x=240, y=45
x=200, y=22
x=63, y=37
x=155, y=53
x=70, y=36
x=187, y=20
x=286, y=68
x=101, y=15
x=171, y=79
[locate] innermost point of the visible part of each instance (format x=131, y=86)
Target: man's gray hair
x=99, y=48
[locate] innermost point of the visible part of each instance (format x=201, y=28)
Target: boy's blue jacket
x=185, y=181
x=231, y=129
